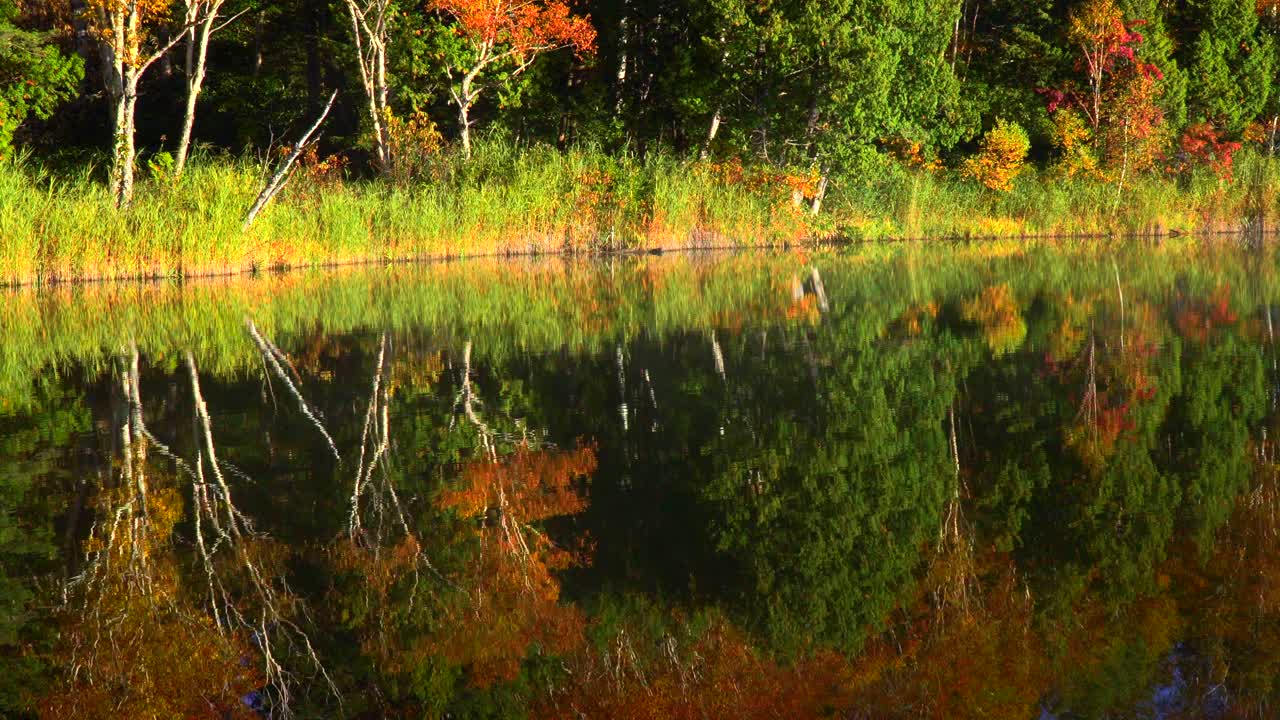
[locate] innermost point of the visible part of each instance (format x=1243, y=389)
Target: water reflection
x=842, y=486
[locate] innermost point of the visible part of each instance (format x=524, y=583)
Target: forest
x=446, y=127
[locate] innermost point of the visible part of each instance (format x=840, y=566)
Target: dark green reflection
x=889, y=483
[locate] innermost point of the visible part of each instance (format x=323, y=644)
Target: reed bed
x=509, y=200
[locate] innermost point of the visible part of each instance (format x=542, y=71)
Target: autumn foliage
x=1204, y=145
x=786, y=185
x=1001, y=157
x=528, y=486
x=985, y=662
x=1262, y=133
x=996, y=311
x=1106, y=42
x=1074, y=142
x=712, y=674
x=1237, y=606
x=1133, y=136
x=526, y=28
x=1200, y=319
x=106, y=17
x=132, y=642
x=507, y=34
x=1120, y=96
x=510, y=595
x=1110, y=387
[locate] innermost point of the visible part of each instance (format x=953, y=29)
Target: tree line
x=1103, y=88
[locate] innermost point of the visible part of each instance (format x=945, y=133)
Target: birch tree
x=133, y=636
x=201, y=18
x=369, y=30
x=506, y=34
x=128, y=46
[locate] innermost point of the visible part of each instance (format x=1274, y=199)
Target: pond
x=999, y=480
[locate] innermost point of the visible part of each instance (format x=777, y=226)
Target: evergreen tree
x=1158, y=48
x=1232, y=63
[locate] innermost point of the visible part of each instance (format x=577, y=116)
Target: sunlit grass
x=511, y=199
x=506, y=200
x=893, y=202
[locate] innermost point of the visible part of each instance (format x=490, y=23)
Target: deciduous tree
x=510, y=596
x=130, y=40
x=34, y=76
x=201, y=21
x=370, y=30
x=1001, y=157
x=507, y=35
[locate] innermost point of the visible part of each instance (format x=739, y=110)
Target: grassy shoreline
x=511, y=201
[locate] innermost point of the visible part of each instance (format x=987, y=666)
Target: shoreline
x=56, y=230
x=256, y=270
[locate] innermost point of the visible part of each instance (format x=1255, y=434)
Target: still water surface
x=971, y=482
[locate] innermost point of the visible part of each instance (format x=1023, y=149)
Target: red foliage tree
x=1199, y=319
x=1203, y=145
x=986, y=662
x=712, y=674
x=508, y=32
x=1120, y=101
x=1105, y=42
x=510, y=597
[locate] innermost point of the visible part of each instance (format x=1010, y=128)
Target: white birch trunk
x=467, y=95
x=125, y=152
x=201, y=16
x=819, y=194
x=124, y=63
x=711, y=135
x=620, y=76
x=464, y=121
x=369, y=30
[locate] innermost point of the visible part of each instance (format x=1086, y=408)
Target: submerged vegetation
x=137, y=134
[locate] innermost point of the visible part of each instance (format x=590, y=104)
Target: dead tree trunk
x=272, y=357
x=282, y=173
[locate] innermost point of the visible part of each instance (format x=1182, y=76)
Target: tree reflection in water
x=1000, y=495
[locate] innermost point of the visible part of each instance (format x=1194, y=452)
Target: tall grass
x=503, y=201
x=888, y=200
x=512, y=199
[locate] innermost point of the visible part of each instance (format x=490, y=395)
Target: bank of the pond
x=508, y=201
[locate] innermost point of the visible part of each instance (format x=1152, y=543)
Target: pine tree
x=1232, y=64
